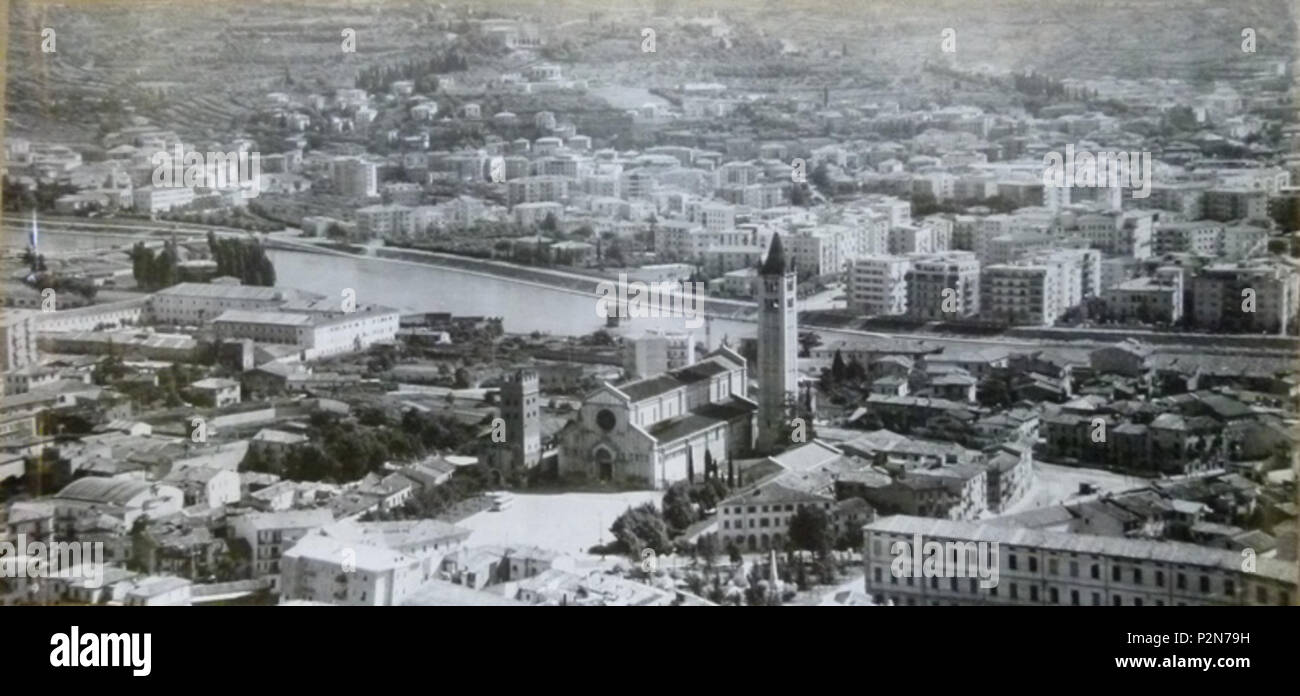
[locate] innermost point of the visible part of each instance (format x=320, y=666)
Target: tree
x=679, y=512
x=641, y=527
x=854, y=370
x=807, y=341
x=838, y=369
x=810, y=529
x=707, y=549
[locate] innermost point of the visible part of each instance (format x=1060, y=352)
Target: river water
x=523, y=307
x=414, y=287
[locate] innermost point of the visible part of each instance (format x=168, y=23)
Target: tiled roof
x=1142, y=549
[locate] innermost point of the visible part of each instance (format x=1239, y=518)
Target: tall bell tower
x=778, y=345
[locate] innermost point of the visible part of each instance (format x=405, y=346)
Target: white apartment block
x=153, y=199
x=1055, y=568
x=815, y=253
x=713, y=216
x=878, y=284
x=385, y=221
x=324, y=569
x=952, y=276
x=913, y=239
x=1020, y=294
x=1117, y=234
x=537, y=189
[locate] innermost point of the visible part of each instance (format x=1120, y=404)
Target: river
x=523, y=307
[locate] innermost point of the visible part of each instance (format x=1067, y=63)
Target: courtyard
x=567, y=522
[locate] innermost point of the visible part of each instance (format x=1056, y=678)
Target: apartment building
x=1127, y=233
x=17, y=340
x=815, y=253
x=1157, y=298
x=878, y=284
x=153, y=199
x=1021, y=295
x=323, y=569
x=914, y=239
x=943, y=286
x=270, y=534
x=354, y=177
x=1200, y=237
x=1237, y=203
x=537, y=189
x=384, y=221
x=1248, y=296
x=1055, y=568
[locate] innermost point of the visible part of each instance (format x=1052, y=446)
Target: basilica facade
x=662, y=429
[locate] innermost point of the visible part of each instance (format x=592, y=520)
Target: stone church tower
x=521, y=410
x=778, y=345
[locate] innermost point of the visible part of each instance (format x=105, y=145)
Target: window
x=1052, y=566
x=1137, y=576
x=1074, y=569
x=1137, y=601
x=1205, y=584
x=1182, y=581
x=1033, y=564
x=1053, y=595
x=1115, y=573
x=1096, y=572
x=1117, y=600
x=1229, y=588
x=1074, y=598
x=1160, y=578
x=1033, y=593
x=1011, y=563
x=1096, y=599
